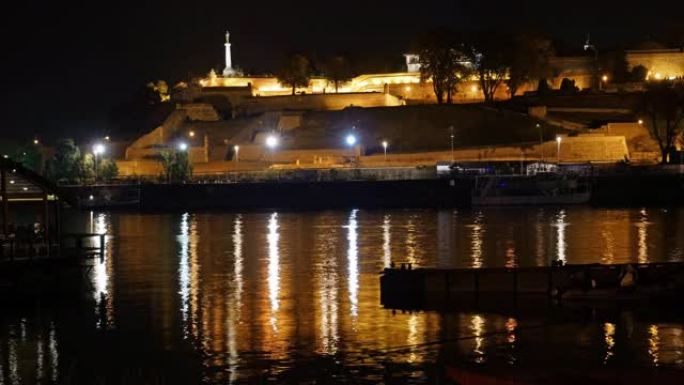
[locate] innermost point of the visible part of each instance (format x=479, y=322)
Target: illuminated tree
x=176, y=166
x=663, y=104
x=337, y=69
x=295, y=72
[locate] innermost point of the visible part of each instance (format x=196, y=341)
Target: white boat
x=538, y=189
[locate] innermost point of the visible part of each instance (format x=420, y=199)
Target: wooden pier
x=408, y=288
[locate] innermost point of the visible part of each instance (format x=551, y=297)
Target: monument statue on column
x=228, y=71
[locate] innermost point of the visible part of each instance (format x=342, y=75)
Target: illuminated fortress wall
x=661, y=64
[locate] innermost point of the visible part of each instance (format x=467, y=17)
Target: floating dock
x=427, y=288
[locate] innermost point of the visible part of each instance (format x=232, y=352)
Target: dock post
x=102, y=247
x=3, y=195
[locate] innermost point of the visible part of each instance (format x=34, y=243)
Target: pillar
x=229, y=60
x=5, y=203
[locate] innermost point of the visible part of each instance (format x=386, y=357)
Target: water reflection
x=102, y=271
x=353, y=264
x=477, y=242
x=386, y=241
x=609, y=339
x=642, y=237
x=561, y=246
x=271, y=290
x=273, y=268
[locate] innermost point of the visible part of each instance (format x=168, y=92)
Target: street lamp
x=98, y=149
x=452, y=143
x=351, y=140
x=236, y=148
x=558, y=140
x=191, y=134
x=272, y=143
x=36, y=142
x=107, y=138
x=384, y=147
x=182, y=146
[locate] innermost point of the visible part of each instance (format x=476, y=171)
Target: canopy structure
x=21, y=190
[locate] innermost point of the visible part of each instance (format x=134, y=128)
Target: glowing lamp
x=182, y=146
x=350, y=139
x=272, y=141
x=98, y=149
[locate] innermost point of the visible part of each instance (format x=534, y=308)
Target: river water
x=283, y=296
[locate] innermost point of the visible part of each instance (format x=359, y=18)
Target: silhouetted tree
x=543, y=87
x=65, y=166
x=490, y=53
x=529, y=61
x=568, y=86
x=615, y=65
x=295, y=72
x=337, y=69
x=638, y=73
x=441, y=61
x=663, y=103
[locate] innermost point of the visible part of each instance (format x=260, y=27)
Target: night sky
x=67, y=63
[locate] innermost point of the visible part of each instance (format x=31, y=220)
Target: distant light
x=107, y=138
x=641, y=121
x=351, y=140
x=407, y=88
x=272, y=141
x=385, y=144
x=91, y=197
x=99, y=149
x=35, y=141
x=14, y=170
x=473, y=88
x=182, y=146
x=191, y=134
x=5, y=156
x=604, y=78
x=558, y=139
x=658, y=75
x=11, y=181
x=236, y=148
x=25, y=188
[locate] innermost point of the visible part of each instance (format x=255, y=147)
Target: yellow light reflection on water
x=477, y=233
x=477, y=326
x=561, y=246
x=609, y=340
x=642, y=237
x=188, y=273
x=353, y=264
x=386, y=241
x=235, y=306
x=184, y=266
x=273, y=268
x=654, y=344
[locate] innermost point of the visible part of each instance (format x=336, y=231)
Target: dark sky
x=67, y=63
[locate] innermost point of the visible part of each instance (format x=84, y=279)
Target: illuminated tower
x=228, y=71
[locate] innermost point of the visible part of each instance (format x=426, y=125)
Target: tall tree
x=490, y=53
x=663, y=103
x=615, y=65
x=295, y=72
x=442, y=61
x=65, y=166
x=338, y=70
x=529, y=61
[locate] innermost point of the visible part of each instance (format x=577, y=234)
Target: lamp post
x=272, y=143
x=182, y=146
x=452, y=143
x=236, y=148
x=384, y=147
x=558, y=140
x=98, y=149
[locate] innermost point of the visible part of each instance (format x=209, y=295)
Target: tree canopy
x=337, y=69
x=663, y=104
x=295, y=72
x=442, y=60
x=529, y=61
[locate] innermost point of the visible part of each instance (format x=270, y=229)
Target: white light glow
x=351, y=140
x=182, y=146
x=99, y=149
x=272, y=141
